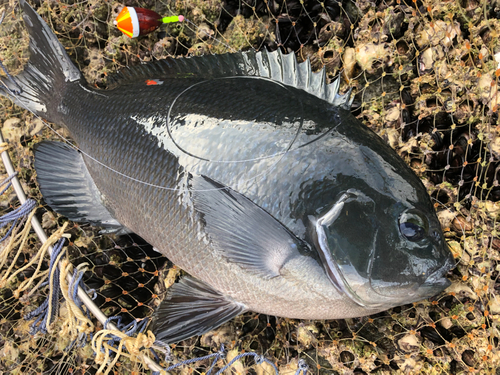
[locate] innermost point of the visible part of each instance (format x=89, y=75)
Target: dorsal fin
x=273, y=65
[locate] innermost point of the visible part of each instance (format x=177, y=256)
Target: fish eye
x=413, y=225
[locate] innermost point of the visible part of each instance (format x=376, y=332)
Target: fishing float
x=134, y=21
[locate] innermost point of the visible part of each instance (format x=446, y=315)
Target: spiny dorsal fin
x=273, y=65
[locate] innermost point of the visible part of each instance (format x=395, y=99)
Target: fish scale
x=185, y=246
x=247, y=171
x=141, y=200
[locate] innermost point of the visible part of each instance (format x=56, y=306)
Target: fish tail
x=40, y=86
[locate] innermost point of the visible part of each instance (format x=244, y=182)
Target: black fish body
x=165, y=217
x=246, y=171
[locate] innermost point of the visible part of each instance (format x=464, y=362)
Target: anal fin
x=68, y=188
x=190, y=309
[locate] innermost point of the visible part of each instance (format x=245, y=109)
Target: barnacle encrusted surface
x=425, y=75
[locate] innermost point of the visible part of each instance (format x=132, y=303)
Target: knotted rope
x=104, y=342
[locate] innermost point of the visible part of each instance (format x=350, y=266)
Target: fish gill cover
x=426, y=77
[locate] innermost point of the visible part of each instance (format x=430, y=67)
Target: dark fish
x=248, y=172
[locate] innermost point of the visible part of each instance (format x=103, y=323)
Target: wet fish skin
x=275, y=200
x=141, y=206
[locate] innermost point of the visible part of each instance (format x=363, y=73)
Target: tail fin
x=47, y=72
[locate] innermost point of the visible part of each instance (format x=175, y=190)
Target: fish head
x=381, y=252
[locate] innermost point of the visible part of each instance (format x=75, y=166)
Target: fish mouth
x=437, y=281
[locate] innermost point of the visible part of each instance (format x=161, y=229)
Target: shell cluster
x=426, y=78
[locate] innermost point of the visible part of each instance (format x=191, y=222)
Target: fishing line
x=76, y=148
x=67, y=141
x=279, y=155
x=9, y=77
x=227, y=161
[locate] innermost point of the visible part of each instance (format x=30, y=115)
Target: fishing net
x=425, y=76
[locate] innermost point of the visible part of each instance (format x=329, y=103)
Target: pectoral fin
x=241, y=230
x=190, y=309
